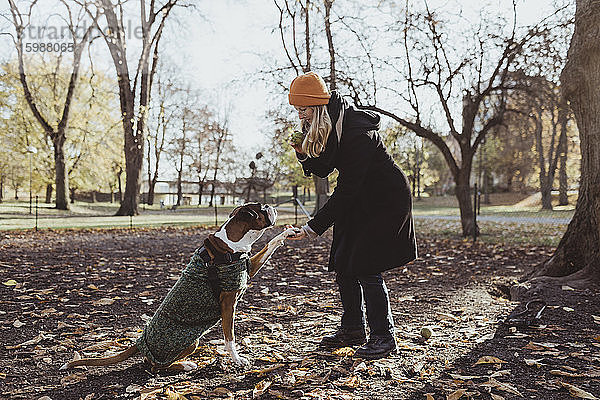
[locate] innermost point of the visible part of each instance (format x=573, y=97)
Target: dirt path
x=84, y=289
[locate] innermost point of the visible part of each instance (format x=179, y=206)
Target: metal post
x=475, y=213
x=30, y=195
x=36, y=213
x=295, y=200
x=216, y=215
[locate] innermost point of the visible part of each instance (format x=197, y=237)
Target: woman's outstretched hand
x=299, y=233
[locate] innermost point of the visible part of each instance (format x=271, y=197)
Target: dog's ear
x=234, y=211
x=248, y=213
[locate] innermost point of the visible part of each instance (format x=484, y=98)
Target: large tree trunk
x=321, y=192
x=61, y=176
x=577, y=257
x=463, y=195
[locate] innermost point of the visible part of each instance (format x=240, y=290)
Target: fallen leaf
x=502, y=386
x=221, y=392
x=260, y=388
x=72, y=379
x=456, y=395
x=103, y=302
x=17, y=324
x=565, y=287
x=173, y=394
x=496, y=397
x=35, y=340
x=575, y=391
x=464, y=377
x=133, y=388
x=535, y=363
x=569, y=309
x=567, y=374
x=264, y=371
x=92, y=286
x=344, y=352
x=10, y=282
x=351, y=382
x=428, y=396
x=490, y=360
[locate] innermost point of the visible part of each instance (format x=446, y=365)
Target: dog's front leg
x=228, y=301
x=260, y=258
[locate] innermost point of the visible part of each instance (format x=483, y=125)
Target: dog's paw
x=241, y=362
x=188, y=365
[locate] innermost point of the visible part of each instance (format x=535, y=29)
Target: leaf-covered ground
x=91, y=291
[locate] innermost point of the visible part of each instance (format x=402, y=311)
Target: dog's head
x=246, y=224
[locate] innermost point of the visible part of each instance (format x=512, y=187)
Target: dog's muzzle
x=270, y=213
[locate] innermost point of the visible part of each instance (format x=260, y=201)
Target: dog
x=213, y=281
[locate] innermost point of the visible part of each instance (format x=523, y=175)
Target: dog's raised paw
x=188, y=365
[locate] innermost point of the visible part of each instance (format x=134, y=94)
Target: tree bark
x=563, y=185
x=577, y=257
x=321, y=192
x=49, y=190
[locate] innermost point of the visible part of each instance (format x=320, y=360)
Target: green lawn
x=522, y=223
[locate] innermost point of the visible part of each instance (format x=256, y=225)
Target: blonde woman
x=370, y=210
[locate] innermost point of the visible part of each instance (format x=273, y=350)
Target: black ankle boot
x=344, y=337
x=377, y=347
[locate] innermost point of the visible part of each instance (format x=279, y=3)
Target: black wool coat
x=371, y=205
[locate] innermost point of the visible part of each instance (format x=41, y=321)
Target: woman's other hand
x=297, y=234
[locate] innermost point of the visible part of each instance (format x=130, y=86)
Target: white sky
x=223, y=43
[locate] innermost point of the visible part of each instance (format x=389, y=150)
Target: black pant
x=353, y=289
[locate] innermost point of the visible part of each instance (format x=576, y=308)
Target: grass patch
x=538, y=234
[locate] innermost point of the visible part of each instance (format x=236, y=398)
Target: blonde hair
x=316, y=131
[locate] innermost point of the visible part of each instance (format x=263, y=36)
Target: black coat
x=371, y=206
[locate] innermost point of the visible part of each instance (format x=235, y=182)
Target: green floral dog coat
x=190, y=308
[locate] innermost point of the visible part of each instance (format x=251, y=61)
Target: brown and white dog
x=245, y=226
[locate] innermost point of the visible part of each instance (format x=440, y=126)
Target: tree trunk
x=463, y=195
x=61, y=176
x=150, y=199
x=179, y=188
x=49, y=190
x=321, y=190
x=119, y=183
x=200, y=190
x=563, y=185
x=546, y=191
x=133, y=171
x=577, y=257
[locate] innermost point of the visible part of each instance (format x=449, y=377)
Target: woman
x=370, y=209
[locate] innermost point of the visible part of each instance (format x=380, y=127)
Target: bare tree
x=57, y=133
x=479, y=74
x=577, y=257
x=134, y=86
x=219, y=140
x=295, y=57
x=181, y=142
x=157, y=132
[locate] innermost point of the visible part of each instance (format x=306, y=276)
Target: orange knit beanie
x=308, y=90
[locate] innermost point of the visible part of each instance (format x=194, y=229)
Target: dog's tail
x=117, y=358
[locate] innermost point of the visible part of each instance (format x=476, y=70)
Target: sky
x=220, y=46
